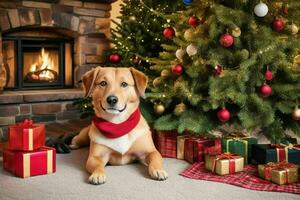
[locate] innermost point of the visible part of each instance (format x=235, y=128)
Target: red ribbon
x=226, y=156
x=281, y=152
x=269, y=167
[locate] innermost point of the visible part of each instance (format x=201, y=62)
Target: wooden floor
x=69, y=127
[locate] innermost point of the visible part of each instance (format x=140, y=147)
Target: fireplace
x=37, y=63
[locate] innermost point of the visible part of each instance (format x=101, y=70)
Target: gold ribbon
x=49, y=162
x=239, y=140
x=26, y=165
x=30, y=139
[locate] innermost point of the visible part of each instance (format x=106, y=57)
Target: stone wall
x=89, y=22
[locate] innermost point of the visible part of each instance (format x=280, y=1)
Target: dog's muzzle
x=113, y=110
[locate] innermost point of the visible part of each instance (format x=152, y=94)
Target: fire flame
x=44, y=62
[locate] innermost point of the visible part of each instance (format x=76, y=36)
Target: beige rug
x=130, y=182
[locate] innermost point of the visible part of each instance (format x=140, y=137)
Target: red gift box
x=26, y=136
x=167, y=143
x=33, y=163
x=196, y=148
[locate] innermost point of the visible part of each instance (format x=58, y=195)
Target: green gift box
x=239, y=146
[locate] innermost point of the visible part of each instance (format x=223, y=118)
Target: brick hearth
x=45, y=106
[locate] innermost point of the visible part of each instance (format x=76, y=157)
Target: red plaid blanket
x=247, y=179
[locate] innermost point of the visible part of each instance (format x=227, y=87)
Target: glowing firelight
x=44, y=62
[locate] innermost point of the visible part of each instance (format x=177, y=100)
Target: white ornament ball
x=180, y=53
x=261, y=9
x=294, y=29
x=191, y=50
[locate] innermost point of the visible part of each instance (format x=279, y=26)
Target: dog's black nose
x=112, y=100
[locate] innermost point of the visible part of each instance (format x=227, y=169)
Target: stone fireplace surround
x=86, y=21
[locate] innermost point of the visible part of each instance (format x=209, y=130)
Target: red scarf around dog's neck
x=112, y=130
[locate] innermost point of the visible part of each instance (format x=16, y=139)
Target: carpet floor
x=130, y=182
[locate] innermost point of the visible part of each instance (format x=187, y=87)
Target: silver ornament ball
x=261, y=10
x=191, y=50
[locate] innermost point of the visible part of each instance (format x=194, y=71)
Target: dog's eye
x=103, y=83
x=123, y=84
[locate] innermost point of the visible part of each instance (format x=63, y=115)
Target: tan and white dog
x=119, y=134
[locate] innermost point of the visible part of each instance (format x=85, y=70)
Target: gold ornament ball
x=165, y=73
x=297, y=59
x=236, y=32
x=189, y=34
x=132, y=18
x=293, y=28
x=159, y=108
x=179, y=109
x=296, y=114
x=156, y=82
x=180, y=53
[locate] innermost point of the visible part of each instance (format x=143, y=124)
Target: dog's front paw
x=158, y=174
x=97, y=178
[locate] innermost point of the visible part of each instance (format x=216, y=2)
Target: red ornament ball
x=193, y=21
x=115, y=58
x=268, y=75
x=169, y=32
x=278, y=24
x=223, y=115
x=218, y=69
x=265, y=90
x=177, y=69
x=226, y=40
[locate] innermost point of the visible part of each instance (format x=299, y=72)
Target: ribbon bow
x=291, y=146
x=27, y=123
x=269, y=167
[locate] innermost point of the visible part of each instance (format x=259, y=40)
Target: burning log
x=43, y=75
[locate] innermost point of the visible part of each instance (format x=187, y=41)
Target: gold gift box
x=278, y=176
x=222, y=165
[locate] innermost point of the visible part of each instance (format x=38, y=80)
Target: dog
x=118, y=134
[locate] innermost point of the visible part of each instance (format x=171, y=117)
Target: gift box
x=167, y=143
x=195, y=148
x=280, y=173
x=240, y=145
x=26, y=136
x=31, y=163
x=226, y=163
x=265, y=153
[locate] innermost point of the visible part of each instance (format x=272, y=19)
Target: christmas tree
x=137, y=36
x=229, y=61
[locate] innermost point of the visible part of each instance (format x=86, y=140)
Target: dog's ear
x=88, y=80
x=140, y=80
